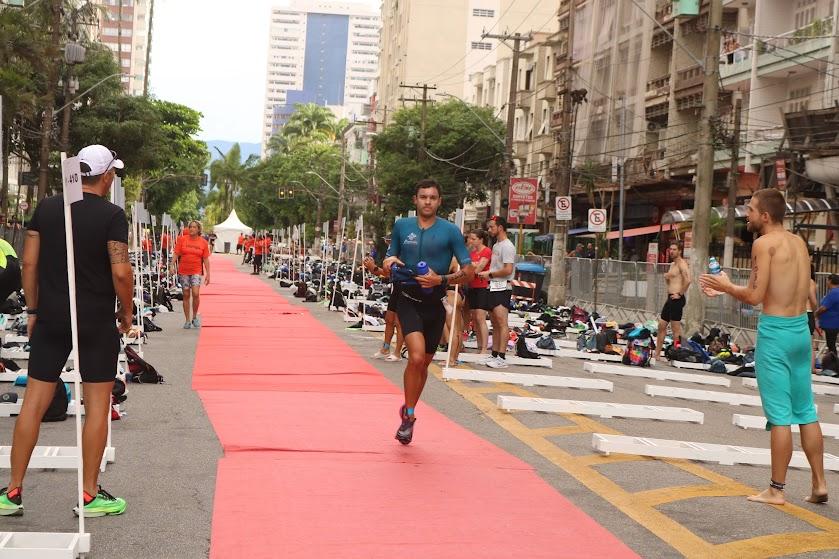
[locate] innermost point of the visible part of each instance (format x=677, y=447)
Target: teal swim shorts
x=783, y=369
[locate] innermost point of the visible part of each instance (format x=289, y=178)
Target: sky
x=211, y=55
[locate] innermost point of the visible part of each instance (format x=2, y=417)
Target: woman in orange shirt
x=192, y=256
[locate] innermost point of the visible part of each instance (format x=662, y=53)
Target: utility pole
x=733, y=177
x=424, y=111
x=511, y=107
x=343, y=181
x=695, y=308
x=148, y=50
x=48, y=100
x=557, y=287
x=622, y=197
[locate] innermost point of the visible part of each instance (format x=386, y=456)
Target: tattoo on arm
x=118, y=252
x=456, y=277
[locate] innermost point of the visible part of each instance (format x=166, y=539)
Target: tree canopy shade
x=462, y=154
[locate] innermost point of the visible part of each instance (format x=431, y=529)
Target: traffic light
x=281, y=193
x=290, y=193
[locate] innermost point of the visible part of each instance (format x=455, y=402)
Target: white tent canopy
x=229, y=230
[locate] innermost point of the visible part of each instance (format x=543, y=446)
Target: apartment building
x=323, y=52
x=644, y=97
x=123, y=28
x=534, y=141
x=439, y=42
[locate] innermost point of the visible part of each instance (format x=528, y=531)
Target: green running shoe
x=104, y=504
x=11, y=504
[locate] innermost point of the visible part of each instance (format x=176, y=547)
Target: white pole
x=73, y=180
x=363, y=283
x=460, y=220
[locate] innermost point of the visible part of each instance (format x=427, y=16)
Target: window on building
x=476, y=45
x=479, y=12
x=799, y=99
x=805, y=12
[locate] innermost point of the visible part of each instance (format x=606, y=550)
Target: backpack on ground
x=302, y=288
x=638, y=353
x=149, y=326
x=546, y=342
x=57, y=410
x=141, y=370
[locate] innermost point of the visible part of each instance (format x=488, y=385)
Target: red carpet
x=311, y=468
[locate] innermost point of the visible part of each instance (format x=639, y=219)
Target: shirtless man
x=678, y=280
x=780, y=281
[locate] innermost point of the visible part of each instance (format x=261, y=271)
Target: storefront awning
x=650, y=230
x=803, y=206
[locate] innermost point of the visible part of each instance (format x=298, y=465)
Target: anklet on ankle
x=775, y=485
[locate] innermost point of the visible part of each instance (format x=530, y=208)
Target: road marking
x=640, y=506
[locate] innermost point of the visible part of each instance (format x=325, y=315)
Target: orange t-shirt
x=241, y=240
x=191, y=253
x=146, y=243
x=164, y=241
x=258, y=246
x=248, y=243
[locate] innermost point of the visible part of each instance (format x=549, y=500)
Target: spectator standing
x=192, y=259
x=828, y=312
x=103, y=273
x=477, y=296
x=501, y=271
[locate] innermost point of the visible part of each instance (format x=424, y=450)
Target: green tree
x=309, y=122
x=462, y=153
x=227, y=175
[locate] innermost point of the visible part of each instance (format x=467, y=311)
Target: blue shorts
x=189, y=280
x=783, y=369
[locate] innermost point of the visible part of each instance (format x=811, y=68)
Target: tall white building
x=323, y=52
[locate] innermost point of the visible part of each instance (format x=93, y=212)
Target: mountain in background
x=224, y=146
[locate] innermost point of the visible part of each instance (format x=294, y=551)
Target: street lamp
x=326, y=182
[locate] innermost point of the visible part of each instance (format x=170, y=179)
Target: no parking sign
x=597, y=220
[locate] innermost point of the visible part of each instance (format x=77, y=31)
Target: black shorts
x=428, y=317
x=672, y=310
x=51, y=344
x=499, y=298
x=811, y=321
x=257, y=260
x=478, y=298
x=238, y=248
x=394, y=298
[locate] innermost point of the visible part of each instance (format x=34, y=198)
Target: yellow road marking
x=640, y=506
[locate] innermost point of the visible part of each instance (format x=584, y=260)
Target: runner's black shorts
x=394, y=298
x=478, y=298
x=51, y=343
x=428, y=317
x=499, y=298
x=672, y=310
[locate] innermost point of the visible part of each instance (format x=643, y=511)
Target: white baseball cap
x=97, y=160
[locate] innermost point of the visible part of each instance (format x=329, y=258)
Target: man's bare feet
x=769, y=496
x=818, y=495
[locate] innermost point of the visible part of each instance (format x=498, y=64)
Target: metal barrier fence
x=636, y=291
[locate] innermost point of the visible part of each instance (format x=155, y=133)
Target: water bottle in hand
x=714, y=266
x=422, y=269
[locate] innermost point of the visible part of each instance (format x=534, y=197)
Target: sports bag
x=638, y=353
x=57, y=410
x=141, y=370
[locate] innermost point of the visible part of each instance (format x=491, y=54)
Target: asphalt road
x=166, y=455
x=671, y=508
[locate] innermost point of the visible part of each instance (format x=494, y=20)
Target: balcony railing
x=689, y=77
x=658, y=86
x=819, y=28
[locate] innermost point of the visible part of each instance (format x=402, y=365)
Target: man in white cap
x=103, y=273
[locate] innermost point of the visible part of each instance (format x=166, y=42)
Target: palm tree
x=309, y=122
x=228, y=173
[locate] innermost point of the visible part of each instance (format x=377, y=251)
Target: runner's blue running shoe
x=406, y=430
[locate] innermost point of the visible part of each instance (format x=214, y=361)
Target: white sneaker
x=392, y=357
x=489, y=358
x=380, y=355
x=497, y=363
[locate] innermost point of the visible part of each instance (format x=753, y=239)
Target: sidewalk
x=310, y=466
